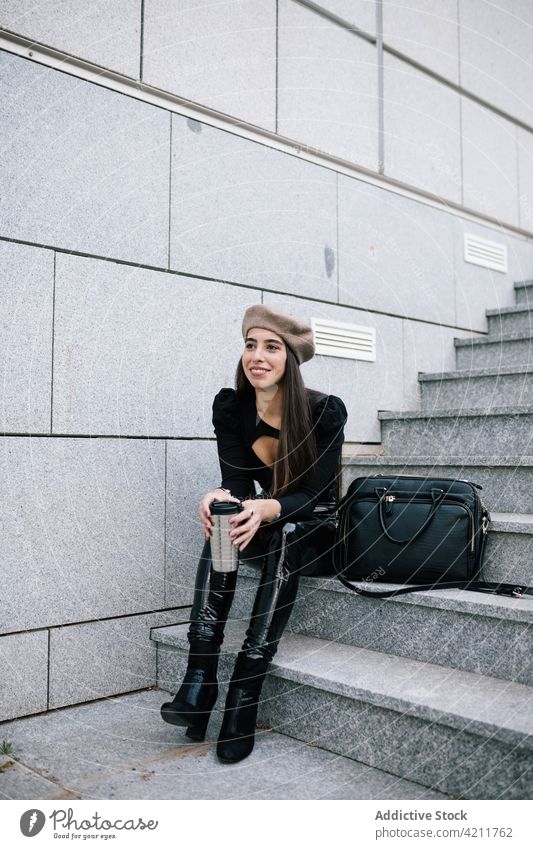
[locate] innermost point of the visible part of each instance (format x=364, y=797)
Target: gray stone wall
x=132, y=239
x=449, y=92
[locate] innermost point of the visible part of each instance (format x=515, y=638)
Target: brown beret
x=297, y=335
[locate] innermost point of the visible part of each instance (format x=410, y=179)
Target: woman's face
x=264, y=358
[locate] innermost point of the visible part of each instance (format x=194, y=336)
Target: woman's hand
x=246, y=523
x=205, y=512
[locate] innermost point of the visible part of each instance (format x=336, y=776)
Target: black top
x=237, y=426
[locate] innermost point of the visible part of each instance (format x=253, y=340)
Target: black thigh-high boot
x=194, y=701
x=272, y=608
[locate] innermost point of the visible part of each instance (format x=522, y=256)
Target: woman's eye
x=250, y=345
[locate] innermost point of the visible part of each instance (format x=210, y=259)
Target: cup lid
x=225, y=508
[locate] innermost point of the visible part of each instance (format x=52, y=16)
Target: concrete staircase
x=433, y=687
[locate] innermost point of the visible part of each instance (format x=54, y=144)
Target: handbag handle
x=437, y=496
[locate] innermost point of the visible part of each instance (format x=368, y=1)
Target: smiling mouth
x=259, y=371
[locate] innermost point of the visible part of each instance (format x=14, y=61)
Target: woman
x=288, y=438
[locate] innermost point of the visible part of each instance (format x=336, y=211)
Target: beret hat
x=296, y=334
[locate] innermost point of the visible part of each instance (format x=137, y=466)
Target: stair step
x=487, y=387
x=513, y=349
x=458, y=732
x=505, y=430
x=524, y=292
x=517, y=319
x=144, y=758
x=464, y=629
x=506, y=481
x=508, y=556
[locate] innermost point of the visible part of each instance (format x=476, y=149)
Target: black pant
x=275, y=551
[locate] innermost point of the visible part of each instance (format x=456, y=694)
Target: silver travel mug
x=224, y=555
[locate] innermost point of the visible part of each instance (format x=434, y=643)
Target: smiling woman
x=274, y=431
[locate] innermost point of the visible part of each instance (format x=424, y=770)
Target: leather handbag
x=426, y=533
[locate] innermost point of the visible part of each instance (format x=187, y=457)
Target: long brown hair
x=297, y=450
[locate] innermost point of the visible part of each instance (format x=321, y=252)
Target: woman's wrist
x=274, y=509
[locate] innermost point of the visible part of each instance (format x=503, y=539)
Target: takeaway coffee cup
x=224, y=554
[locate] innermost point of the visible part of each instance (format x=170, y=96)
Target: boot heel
x=196, y=730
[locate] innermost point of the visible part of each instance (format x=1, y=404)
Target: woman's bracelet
x=229, y=492
x=223, y=489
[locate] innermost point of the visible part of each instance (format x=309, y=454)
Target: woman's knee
x=276, y=546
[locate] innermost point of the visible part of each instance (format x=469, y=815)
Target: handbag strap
x=518, y=591
x=437, y=496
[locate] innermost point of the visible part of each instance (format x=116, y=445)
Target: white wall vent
x=338, y=339
x=485, y=253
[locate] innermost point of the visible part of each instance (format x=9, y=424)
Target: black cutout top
x=237, y=426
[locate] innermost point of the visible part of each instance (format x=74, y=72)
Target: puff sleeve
x=329, y=418
x=231, y=451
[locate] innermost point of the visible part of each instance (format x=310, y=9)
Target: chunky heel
x=184, y=715
x=197, y=729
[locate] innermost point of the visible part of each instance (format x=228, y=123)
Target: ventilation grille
x=337, y=339
x=485, y=253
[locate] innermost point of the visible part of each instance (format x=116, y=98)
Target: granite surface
x=456, y=698
x=26, y=319
x=98, y=178
x=507, y=386
x=119, y=748
x=426, y=32
x=246, y=213
x=359, y=13
x=506, y=480
x=107, y=34
x=24, y=662
x=496, y=75
x=83, y=529
x=422, y=120
x=468, y=734
x=95, y=659
x=489, y=160
x=327, y=94
x=463, y=629
x=455, y=761
x=513, y=350
x=220, y=55
x=126, y=349
x=524, y=292
x=508, y=429
x=377, y=265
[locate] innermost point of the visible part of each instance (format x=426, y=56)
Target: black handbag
x=428, y=533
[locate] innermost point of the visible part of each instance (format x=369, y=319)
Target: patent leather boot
x=195, y=699
x=237, y=734
x=273, y=605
